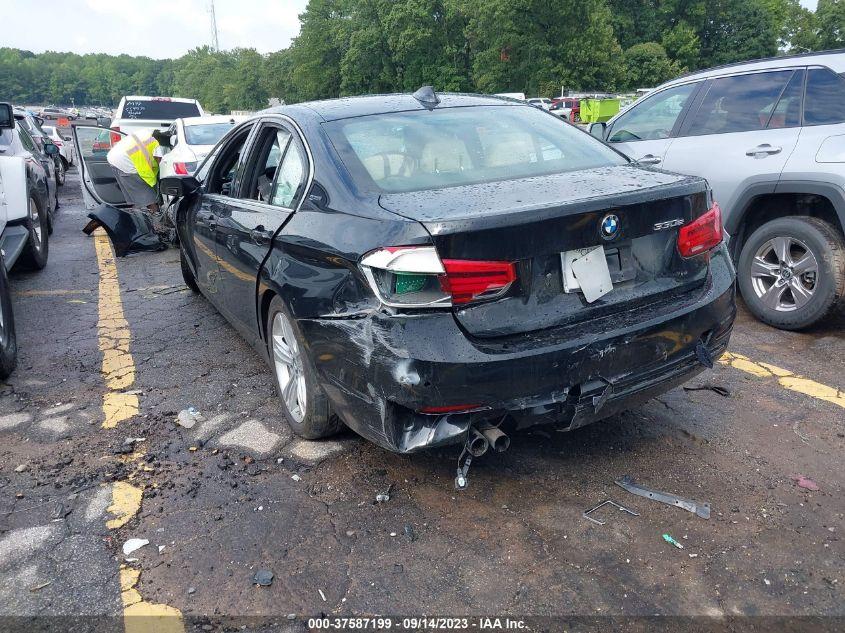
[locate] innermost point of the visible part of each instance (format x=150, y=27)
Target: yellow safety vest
x=141, y=155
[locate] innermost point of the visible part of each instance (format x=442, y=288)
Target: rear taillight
x=184, y=169
x=114, y=136
x=414, y=276
x=702, y=234
x=468, y=280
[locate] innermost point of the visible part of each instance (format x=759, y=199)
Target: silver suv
x=769, y=136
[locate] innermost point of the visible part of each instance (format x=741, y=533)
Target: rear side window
x=825, y=100
x=158, y=109
x=739, y=104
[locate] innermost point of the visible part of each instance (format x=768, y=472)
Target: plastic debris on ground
x=187, y=418
x=805, y=482
x=133, y=544
x=672, y=541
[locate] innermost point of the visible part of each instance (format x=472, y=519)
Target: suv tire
x=8, y=339
x=792, y=271
x=34, y=255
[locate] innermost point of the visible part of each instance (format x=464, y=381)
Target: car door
x=45, y=161
x=740, y=133
x=645, y=131
x=272, y=184
x=818, y=155
x=220, y=176
x=99, y=185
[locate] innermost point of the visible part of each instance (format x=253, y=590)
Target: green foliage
x=373, y=46
x=830, y=16
x=647, y=65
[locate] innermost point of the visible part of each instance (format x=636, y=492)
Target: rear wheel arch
x=758, y=205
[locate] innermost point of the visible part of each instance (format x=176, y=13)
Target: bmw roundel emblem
x=609, y=226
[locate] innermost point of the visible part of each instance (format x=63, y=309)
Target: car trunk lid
x=533, y=221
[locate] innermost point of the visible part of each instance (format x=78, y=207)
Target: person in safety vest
x=134, y=160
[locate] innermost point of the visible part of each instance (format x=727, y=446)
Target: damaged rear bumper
x=381, y=369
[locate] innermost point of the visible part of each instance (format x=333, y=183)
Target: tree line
x=538, y=47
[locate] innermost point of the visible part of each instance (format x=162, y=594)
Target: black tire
x=826, y=245
x=34, y=255
x=65, y=164
x=187, y=275
x=60, y=172
x=318, y=421
x=8, y=339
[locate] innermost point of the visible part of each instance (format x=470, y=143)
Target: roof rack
x=837, y=51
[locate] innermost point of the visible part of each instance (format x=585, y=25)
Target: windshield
x=207, y=134
x=164, y=110
x=411, y=151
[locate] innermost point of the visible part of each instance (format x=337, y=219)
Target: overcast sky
x=155, y=28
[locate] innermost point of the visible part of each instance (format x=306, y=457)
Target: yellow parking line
x=118, y=369
x=785, y=378
x=113, y=332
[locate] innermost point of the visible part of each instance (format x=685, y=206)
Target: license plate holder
x=586, y=270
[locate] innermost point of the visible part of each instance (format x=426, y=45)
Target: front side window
x=412, y=151
x=225, y=167
x=741, y=103
x=26, y=139
x=825, y=99
x=654, y=118
x=787, y=112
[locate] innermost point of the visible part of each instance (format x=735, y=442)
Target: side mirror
x=7, y=117
x=179, y=186
x=50, y=149
x=598, y=130
x=173, y=140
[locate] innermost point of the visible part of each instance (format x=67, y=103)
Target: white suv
x=769, y=136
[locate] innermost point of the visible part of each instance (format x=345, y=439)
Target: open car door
x=99, y=186
x=130, y=230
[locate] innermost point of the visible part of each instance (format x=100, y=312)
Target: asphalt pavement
x=91, y=455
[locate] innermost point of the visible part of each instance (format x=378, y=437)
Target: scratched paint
x=785, y=378
x=118, y=367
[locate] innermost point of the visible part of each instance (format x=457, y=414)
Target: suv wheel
x=8, y=340
x=34, y=255
x=60, y=172
x=792, y=271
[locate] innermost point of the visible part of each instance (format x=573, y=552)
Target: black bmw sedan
x=424, y=267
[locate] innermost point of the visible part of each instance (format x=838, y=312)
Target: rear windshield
x=207, y=134
x=164, y=110
x=412, y=151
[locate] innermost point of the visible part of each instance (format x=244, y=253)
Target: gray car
x=769, y=136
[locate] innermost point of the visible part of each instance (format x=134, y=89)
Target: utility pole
x=215, y=43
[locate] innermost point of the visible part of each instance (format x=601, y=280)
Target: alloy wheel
x=784, y=274
x=35, y=218
x=287, y=362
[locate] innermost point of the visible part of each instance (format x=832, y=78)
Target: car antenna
x=427, y=97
